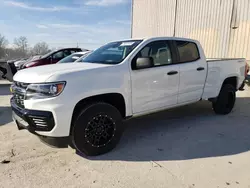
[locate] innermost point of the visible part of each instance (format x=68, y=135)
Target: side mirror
x=144, y=62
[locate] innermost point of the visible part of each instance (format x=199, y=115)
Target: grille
x=18, y=98
x=39, y=121
x=19, y=93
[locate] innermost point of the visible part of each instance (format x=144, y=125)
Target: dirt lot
x=185, y=147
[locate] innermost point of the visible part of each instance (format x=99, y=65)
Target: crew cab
x=84, y=104
x=51, y=57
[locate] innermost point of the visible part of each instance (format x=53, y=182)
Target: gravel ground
x=185, y=147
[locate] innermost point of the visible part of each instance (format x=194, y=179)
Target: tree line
x=21, y=49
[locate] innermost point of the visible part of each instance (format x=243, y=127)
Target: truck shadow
x=4, y=89
x=188, y=132
x=5, y=115
x=5, y=111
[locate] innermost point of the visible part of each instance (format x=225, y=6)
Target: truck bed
x=218, y=70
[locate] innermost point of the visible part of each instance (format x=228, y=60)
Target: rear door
x=155, y=87
x=193, y=71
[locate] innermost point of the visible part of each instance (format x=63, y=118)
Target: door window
x=66, y=53
x=159, y=51
x=73, y=51
x=58, y=55
x=188, y=51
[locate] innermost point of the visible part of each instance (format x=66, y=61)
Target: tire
x=97, y=129
x=225, y=101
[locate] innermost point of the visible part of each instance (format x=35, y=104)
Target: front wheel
x=225, y=101
x=97, y=129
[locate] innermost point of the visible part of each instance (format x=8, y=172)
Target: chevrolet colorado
x=84, y=104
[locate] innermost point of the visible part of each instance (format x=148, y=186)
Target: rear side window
x=188, y=51
x=66, y=53
x=74, y=51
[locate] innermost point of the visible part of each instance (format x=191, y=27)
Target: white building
x=222, y=26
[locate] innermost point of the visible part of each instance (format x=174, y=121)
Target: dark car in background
x=52, y=57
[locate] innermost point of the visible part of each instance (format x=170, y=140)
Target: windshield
x=48, y=54
x=36, y=57
x=81, y=59
x=112, y=53
x=70, y=58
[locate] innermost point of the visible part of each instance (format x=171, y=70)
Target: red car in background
x=52, y=57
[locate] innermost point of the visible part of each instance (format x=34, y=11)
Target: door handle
x=172, y=73
x=200, y=68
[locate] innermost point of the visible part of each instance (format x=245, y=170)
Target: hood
x=17, y=63
x=36, y=57
x=42, y=73
x=31, y=61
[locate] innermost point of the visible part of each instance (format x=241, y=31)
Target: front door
x=155, y=87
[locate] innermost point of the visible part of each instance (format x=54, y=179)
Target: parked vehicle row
x=52, y=57
x=84, y=104
x=11, y=67
x=18, y=64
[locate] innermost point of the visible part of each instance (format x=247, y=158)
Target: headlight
x=41, y=91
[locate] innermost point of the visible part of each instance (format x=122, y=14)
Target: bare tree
x=40, y=48
x=21, y=44
x=3, y=44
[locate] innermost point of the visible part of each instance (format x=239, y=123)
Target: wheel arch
x=232, y=80
x=115, y=99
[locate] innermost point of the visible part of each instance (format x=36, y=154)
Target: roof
x=169, y=38
x=157, y=38
x=68, y=48
x=82, y=53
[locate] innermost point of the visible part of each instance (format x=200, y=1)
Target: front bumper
x=35, y=121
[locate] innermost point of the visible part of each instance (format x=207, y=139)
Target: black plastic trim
x=200, y=69
x=172, y=73
x=27, y=116
x=58, y=142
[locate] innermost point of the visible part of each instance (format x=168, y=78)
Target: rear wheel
x=225, y=101
x=97, y=129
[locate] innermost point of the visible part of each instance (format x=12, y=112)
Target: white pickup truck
x=83, y=104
